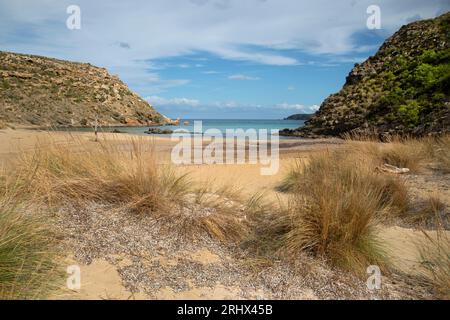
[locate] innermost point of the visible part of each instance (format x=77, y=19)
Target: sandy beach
x=155, y=267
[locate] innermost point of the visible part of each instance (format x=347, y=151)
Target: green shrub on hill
x=416, y=86
x=409, y=112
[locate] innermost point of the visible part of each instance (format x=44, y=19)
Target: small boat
x=186, y=123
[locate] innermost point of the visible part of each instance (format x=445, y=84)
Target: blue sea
x=221, y=124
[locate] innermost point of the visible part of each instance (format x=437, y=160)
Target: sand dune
x=104, y=278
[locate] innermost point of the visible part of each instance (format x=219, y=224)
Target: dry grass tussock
x=438, y=151
x=28, y=260
x=435, y=256
x=336, y=201
x=219, y=213
x=415, y=154
x=430, y=211
x=337, y=198
x=126, y=175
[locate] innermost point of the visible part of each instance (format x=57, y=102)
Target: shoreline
x=117, y=129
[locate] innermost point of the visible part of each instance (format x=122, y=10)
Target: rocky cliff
x=42, y=91
x=300, y=116
x=402, y=89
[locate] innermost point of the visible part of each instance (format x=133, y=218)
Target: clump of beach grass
x=108, y=172
x=435, y=257
x=428, y=212
x=28, y=259
x=217, y=212
x=336, y=202
x=126, y=174
x=338, y=199
x=415, y=154
x=291, y=179
x=438, y=150
x=348, y=166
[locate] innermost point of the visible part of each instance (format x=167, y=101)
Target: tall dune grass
x=427, y=213
x=28, y=259
x=336, y=202
x=338, y=198
x=126, y=174
x=105, y=172
x=438, y=150
x=435, y=256
x=414, y=154
x=219, y=213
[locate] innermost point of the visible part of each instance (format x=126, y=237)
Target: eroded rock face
x=49, y=92
x=403, y=89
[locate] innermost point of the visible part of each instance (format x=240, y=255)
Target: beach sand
x=102, y=279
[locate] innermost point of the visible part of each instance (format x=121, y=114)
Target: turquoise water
x=221, y=124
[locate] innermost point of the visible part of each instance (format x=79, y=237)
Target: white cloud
x=253, y=30
x=291, y=88
x=263, y=58
x=195, y=103
x=148, y=82
x=298, y=107
x=210, y=72
x=128, y=38
x=242, y=77
x=160, y=101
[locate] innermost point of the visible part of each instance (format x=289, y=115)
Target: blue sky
x=214, y=58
